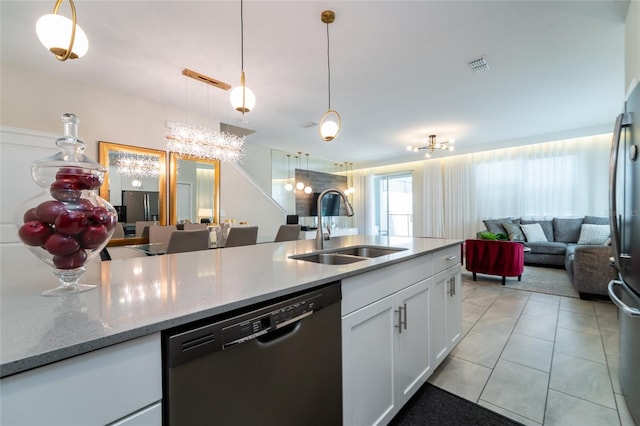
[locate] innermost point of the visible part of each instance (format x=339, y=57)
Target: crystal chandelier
x=201, y=142
x=432, y=145
x=137, y=165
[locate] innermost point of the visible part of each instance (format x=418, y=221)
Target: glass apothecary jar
x=68, y=224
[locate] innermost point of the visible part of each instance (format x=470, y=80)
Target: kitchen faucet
x=319, y=232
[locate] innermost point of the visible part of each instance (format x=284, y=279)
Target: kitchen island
x=140, y=297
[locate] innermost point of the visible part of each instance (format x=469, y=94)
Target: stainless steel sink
x=329, y=258
x=367, y=251
x=346, y=255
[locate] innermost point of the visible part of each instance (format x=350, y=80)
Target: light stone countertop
x=145, y=295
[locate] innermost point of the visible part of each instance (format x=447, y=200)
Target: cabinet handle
x=452, y=257
x=401, y=322
x=452, y=286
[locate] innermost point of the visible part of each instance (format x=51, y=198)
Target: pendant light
x=288, y=186
x=61, y=35
x=330, y=122
x=308, y=189
x=242, y=98
x=300, y=184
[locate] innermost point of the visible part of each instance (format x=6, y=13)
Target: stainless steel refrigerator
x=141, y=205
x=624, y=187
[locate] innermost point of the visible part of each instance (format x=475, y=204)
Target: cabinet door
x=445, y=313
x=367, y=364
x=438, y=315
x=412, y=360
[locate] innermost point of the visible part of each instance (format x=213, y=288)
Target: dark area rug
x=434, y=406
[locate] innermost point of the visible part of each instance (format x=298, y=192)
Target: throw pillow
x=596, y=220
x=513, y=231
x=594, y=234
x=534, y=233
x=495, y=225
x=566, y=230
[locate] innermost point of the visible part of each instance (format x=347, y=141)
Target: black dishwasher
x=276, y=364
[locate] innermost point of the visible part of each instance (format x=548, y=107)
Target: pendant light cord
x=241, y=37
x=328, y=68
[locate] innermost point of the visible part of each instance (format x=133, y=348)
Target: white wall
x=632, y=44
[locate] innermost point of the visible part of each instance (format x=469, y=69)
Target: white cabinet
x=445, y=313
x=385, y=355
x=118, y=383
x=391, y=319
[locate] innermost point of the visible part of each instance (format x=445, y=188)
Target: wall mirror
x=194, y=189
x=135, y=184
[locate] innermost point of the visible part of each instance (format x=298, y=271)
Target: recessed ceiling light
x=478, y=65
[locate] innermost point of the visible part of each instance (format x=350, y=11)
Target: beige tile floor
x=539, y=359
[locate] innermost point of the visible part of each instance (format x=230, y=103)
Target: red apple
x=102, y=216
x=49, y=210
x=61, y=245
x=71, y=222
x=84, y=178
x=30, y=215
x=34, y=233
x=73, y=261
x=83, y=205
x=65, y=190
x=93, y=236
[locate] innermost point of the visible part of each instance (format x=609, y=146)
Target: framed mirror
x=194, y=189
x=135, y=184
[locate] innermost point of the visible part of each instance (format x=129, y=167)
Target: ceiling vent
x=309, y=124
x=478, y=65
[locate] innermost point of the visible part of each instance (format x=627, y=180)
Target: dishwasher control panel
x=257, y=326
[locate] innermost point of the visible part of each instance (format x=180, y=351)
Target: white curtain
x=558, y=179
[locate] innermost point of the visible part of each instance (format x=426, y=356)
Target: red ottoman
x=502, y=258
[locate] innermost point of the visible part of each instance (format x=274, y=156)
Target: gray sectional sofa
x=580, y=250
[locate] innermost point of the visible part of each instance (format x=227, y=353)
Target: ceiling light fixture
x=432, y=145
x=242, y=98
x=300, y=184
x=350, y=189
x=201, y=142
x=330, y=122
x=61, y=35
x=308, y=189
x=288, y=186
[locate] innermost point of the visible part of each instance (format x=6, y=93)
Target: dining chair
x=194, y=226
x=161, y=234
x=183, y=241
x=142, y=227
x=118, y=231
x=287, y=233
x=242, y=236
x=113, y=253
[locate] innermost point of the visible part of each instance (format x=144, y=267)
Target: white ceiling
x=398, y=68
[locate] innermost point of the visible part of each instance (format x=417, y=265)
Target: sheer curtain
x=557, y=179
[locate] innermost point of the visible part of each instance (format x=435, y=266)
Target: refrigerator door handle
x=623, y=120
x=632, y=312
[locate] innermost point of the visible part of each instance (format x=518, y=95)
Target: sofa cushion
x=594, y=234
x=513, y=231
x=596, y=220
x=533, y=232
x=566, y=230
x=549, y=247
x=546, y=225
x=495, y=225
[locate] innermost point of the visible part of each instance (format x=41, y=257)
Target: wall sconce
x=61, y=35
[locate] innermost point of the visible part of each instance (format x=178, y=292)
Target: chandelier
x=432, y=145
x=137, y=165
x=200, y=142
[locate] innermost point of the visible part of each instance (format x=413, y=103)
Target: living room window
x=394, y=204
